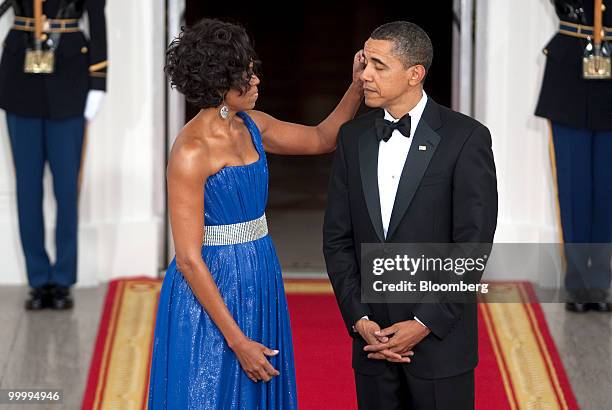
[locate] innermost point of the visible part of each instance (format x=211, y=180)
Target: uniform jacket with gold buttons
x=566, y=97
x=80, y=63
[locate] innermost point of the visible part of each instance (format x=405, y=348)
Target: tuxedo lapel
x=368, y=167
x=421, y=151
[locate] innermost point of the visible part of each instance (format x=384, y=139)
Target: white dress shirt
x=391, y=158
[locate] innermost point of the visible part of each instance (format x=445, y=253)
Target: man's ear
x=416, y=74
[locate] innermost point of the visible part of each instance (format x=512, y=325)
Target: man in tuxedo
x=428, y=177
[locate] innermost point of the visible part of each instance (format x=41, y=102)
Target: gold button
x=44, y=36
x=83, y=50
x=545, y=51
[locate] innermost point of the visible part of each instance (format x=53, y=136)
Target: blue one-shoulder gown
x=192, y=366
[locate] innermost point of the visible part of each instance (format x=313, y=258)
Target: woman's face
x=237, y=101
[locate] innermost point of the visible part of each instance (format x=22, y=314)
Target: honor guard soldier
x=52, y=80
x=576, y=97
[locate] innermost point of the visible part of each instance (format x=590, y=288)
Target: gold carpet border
x=108, y=343
x=127, y=355
x=518, y=344
x=307, y=286
x=544, y=349
x=523, y=353
x=503, y=370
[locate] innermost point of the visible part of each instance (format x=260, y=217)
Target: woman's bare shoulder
x=190, y=155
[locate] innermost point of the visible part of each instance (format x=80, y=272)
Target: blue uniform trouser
x=34, y=142
x=584, y=179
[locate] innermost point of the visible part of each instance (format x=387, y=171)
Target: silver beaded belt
x=233, y=234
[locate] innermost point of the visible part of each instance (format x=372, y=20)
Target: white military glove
x=94, y=101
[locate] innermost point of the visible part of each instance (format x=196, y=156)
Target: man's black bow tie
x=384, y=128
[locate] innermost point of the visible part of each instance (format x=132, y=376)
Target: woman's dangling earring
x=224, y=111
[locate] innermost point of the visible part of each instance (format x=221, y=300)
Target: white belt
x=233, y=234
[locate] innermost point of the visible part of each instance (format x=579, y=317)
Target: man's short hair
x=411, y=43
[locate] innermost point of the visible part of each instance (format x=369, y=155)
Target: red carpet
x=521, y=370
x=519, y=365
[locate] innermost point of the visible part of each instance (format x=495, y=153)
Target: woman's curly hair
x=208, y=59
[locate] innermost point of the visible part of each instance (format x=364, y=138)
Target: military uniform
x=45, y=118
x=580, y=114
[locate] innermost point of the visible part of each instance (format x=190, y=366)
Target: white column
x=463, y=51
x=122, y=201
x=176, y=101
x=510, y=37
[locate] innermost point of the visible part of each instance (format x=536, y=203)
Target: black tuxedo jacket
x=447, y=194
x=80, y=63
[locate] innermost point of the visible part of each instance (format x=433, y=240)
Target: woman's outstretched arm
x=188, y=170
x=280, y=137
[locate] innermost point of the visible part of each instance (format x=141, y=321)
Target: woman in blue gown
x=222, y=335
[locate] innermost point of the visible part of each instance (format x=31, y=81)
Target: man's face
x=384, y=78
